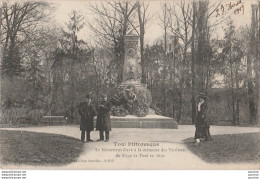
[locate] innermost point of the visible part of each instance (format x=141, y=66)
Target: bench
x=49, y=119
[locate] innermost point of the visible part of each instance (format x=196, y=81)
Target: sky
x=153, y=30
x=65, y=7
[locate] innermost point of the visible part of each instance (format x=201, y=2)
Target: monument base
x=149, y=121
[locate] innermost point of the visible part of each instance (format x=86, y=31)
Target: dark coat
x=87, y=113
x=201, y=119
x=202, y=123
x=103, y=116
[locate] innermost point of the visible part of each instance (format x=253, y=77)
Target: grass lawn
x=20, y=147
x=228, y=148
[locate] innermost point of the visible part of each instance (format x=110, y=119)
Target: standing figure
x=87, y=113
x=202, y=124
x=103, y=118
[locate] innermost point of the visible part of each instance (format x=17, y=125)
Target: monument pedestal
x=149, y=121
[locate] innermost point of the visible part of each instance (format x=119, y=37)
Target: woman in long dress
x=202, y=124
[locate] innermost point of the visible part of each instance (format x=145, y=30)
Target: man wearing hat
x=103, y=118
x=87, y=113
x=202, y=124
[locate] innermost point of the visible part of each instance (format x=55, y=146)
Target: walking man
x=87, y=113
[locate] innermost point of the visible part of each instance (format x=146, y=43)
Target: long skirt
x=202, y=133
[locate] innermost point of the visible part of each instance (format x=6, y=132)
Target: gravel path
x=174, y=156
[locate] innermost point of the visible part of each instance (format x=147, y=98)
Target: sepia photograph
x=129, y=85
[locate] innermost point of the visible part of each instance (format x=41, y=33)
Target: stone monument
x=131, y=61
x=132, y=101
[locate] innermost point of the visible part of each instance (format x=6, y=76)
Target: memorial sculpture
x=131, y=104
x=132, y=97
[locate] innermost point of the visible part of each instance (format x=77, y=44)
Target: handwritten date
x=237, y=7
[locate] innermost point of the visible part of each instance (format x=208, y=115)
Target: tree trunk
x=251, y=103
x=72, y=92
x=182, y=80
x=258, y=56
x=72, y=95
x=201, y=62
x=193, y=76
x=232, y=86
x=251, y=93
x=237, y=95
x=179, y=117
x=257, y=61
x=142, y=31
x=1, y=57
x=48, y=86
x=164, y=56
x=121, y=60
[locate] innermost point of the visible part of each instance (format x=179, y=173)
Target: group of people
x=88, y=111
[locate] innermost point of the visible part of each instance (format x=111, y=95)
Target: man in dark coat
x=87, y=113
x=202, y=123
x=103, y=118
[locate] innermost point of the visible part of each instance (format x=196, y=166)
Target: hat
x=87, y=96
x=202, y=95
x=103, y=95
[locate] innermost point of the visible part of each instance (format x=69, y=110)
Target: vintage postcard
x=170, y=85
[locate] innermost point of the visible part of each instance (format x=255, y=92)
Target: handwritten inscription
x=237, y=8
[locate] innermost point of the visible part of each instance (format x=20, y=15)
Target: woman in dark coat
x=87, y=113
x=103, y=118
x=202, y=124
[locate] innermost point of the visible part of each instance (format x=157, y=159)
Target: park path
x=177, y=155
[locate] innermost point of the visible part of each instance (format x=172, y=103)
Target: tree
x=182, y=31
x=113, y=21
x=202, y=44
x=253, y=53
x=71, y=49
x=258, y=60
x=20, y=21
x=23, y=33
x=232, y=55
x=190, y=24
x=193, y=62
x=164, y=23
x=255, y=25
x=143, y=18
x=51, y=41
x=154, y=57
x=36, y=80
